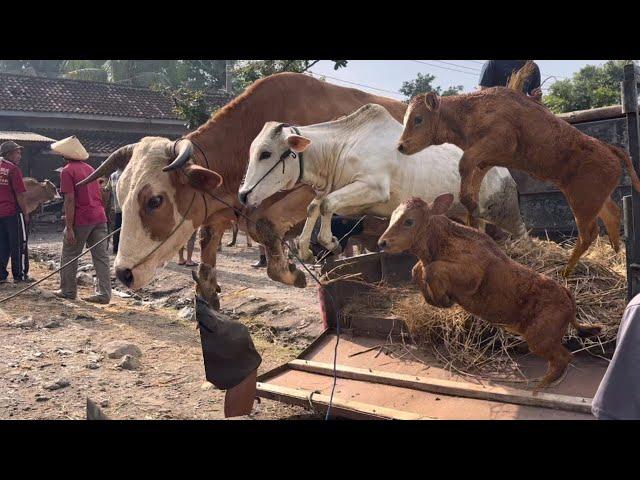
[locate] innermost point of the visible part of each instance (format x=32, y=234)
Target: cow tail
x=624, y=156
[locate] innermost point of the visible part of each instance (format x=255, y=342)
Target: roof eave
x=79, y=116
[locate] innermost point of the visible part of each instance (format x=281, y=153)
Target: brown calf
x=501, y=127
x=38, y=193
x=461, y=265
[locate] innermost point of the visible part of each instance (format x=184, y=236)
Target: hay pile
x=467, y=344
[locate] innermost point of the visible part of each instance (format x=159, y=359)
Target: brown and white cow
x=38, y=193
x=165, y=182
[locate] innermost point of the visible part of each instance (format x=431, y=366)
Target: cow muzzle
x=125, y=275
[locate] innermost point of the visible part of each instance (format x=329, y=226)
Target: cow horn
x=117, y=160
x=184, y=153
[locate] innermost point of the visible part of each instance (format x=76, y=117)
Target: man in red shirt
x=85, y=222
x=13, y=215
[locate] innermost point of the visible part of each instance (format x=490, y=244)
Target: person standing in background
x=85, y=223
x=496, y=73
x=14, y=215
x=191, y=244
x=117, y=221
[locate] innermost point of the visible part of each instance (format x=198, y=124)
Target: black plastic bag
x=227, y=349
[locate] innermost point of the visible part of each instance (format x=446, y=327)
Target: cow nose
x=242, y=196
x=382, y=244
x=401, y=147
x=125, y=275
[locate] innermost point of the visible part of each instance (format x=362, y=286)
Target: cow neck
x=428, y=243
x=317, y=169
x=451, y=127
x=225, y=138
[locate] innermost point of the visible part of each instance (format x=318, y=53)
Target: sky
x=385, y=77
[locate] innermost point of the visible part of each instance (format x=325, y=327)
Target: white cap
x=70, y=148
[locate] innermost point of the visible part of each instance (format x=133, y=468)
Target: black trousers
x=117, y=223
x=13, y=244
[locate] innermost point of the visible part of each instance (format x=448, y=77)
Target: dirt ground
x=66, y=338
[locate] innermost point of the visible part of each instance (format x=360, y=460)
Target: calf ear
x=202, y=178
x=432, y=101
x=297, y=143
x=442, y=204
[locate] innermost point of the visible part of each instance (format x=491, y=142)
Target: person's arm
x=22, y=203
x=69, y=217
x=67, y=187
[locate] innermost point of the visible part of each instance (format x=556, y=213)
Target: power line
x=355, y=83
x=445, y=68
x=458, y=65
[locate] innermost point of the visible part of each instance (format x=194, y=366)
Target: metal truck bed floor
x=402, y=395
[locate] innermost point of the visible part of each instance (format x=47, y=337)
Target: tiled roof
x=99, y=142
x=23, y=137
x=55, y=95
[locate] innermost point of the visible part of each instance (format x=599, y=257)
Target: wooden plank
x=448, y=387
x=344, y=408
x=591, y=115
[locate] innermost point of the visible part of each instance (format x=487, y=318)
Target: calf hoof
x=333, y=246
x=306, y=255
x=301, y=280
x=566, y=271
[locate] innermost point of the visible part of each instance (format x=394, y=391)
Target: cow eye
x=408, y=222
x=417, y=120
x=265, y=155
x=154, y=202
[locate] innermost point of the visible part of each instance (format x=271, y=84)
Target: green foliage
x=189, y=104
x=246, y=72
x=591, y=87
x=423, y=84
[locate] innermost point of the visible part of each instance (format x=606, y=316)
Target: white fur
x=355, y=168
x=145, y=167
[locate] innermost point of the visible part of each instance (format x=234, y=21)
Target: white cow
x=353, y=165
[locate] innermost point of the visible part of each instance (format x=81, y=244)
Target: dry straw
x=469, y=345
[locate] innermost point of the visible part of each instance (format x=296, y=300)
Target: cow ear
x=432, y=101
x=202, y=178
x=297, y=143
x=442, y=204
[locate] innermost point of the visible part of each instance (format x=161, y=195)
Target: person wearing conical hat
x=85, y=222
x=14, y=215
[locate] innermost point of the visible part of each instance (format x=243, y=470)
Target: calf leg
x=610, y=216
x=361, y=193
x=313, y=212
x=234, y=233
x=273, y=221
x=207, y=283
x=468, y=196
x=544, y=337
x=587, y=233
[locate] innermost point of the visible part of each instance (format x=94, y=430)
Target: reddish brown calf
x=461, y=265
x=501, y=127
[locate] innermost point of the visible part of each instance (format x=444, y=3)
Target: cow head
x=408, y=222
x=420, y=124
x=50, y=190
x=272, y=167
x=160, y=196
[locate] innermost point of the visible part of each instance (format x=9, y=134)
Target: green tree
x=41, y=68
x=424, y=84
x=591, y=87
x=245, y=72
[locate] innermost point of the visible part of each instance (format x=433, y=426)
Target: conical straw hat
x=70, y=148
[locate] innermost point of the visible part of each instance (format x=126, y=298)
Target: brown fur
x=461, y=265
x=290, y=98
x=502, y=127
x=38, y=193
